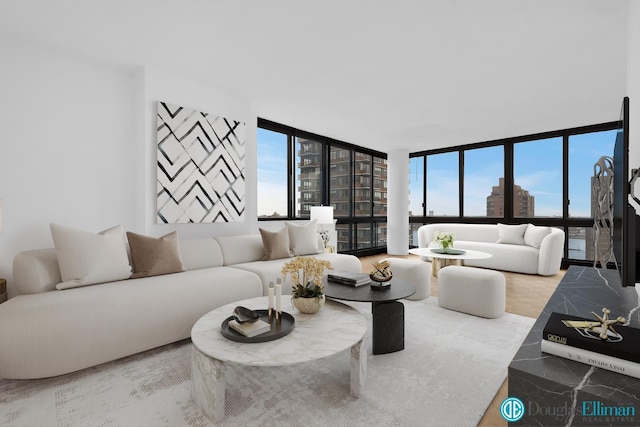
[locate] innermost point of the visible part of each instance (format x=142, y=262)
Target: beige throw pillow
x=511, y=234
x=303, y=239
x=87, y=258
x=154, y=256
x=275, y=243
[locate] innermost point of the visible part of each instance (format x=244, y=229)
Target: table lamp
x=323, y=216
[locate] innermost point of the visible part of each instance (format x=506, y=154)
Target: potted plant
x=444, y=239
x=306, y=275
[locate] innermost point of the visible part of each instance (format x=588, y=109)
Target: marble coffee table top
x=334, y=328
x=468, y=254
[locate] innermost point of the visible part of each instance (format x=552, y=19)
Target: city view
x=538, y=189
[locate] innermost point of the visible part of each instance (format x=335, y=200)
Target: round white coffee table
x=315, y=336
x=442, y=260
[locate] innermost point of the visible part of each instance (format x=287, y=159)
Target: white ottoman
x=417, y=273
x=472, y=290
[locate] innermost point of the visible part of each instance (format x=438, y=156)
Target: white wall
x=77, y=146
x=162, y=86
x=66, y=134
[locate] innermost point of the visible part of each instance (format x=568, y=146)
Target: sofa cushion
x=153, y=256
x=86, y=258
x=275, y=244
x=241, y=249
x=518, y=258
x=303, y=239
x=511, y=234
x=270, y=271
x=36, y=271
x=200, y=253
x=534, y=234
x=470, y=232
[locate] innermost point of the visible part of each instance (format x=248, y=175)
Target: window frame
x=565, y=222
x=377, y=221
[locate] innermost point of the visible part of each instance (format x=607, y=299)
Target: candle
x=270, y=296
x=278, y=298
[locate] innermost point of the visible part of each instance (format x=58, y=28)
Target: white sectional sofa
x=521, y=248
x=46, y=332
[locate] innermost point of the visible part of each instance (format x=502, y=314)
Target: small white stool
x=417, y=273
x=472, y=290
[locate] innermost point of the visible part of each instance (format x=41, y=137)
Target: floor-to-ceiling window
x=314, y=170
x=543, y=179
x=483, y=182
x=537, y=178
x=443, y=184
x=584, y=151
x=273, y=179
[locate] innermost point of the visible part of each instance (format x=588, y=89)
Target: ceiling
x=395, y=74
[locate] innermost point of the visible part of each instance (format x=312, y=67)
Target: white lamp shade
x=322, y=214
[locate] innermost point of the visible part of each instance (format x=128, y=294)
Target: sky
x=537, y=169
x=272, y=172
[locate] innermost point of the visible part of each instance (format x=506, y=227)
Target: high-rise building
x=523, y=202
x=309, y=176
x=351, y=191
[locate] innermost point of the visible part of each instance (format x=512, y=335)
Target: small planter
x=308, y=305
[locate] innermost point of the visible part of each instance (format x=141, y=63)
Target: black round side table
x=386, y=310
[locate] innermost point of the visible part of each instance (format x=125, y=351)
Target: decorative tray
x=277, y=330
x=448, y=251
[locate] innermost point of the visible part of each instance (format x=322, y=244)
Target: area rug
x=452, y=366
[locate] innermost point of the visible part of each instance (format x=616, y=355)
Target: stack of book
x=348, y=278
x=250, y=329
x=570, y=337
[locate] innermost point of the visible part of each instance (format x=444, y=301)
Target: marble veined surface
x=334, y=328
x=554, y=389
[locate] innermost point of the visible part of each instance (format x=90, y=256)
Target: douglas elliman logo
x=513, y=409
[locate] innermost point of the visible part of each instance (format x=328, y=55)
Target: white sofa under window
x=523, y=248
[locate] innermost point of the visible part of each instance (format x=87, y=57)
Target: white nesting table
x=336, y=327
x=442, y=260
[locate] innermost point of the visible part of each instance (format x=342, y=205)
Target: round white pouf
x=472, y=290
x=417, y=273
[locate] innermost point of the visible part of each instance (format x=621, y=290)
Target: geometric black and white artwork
x=201, y=161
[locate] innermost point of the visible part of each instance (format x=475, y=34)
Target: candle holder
x=270, y=309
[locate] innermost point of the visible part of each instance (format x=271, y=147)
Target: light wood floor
x=526, y=295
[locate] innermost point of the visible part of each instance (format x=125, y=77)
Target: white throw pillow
x=86, y=258
x=534, y=234
x=511, y=234
x=303, y=239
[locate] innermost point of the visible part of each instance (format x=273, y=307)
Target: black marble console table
x=558, y=391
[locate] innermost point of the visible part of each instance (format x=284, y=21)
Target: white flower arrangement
x=309, y=283
x=444, y=239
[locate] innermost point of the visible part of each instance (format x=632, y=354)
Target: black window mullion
x=509, y=182
x=291, y=170
x=424, y=187
x=461, y=183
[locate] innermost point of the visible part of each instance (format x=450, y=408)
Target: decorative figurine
x=603, y=327
x=381, y=272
